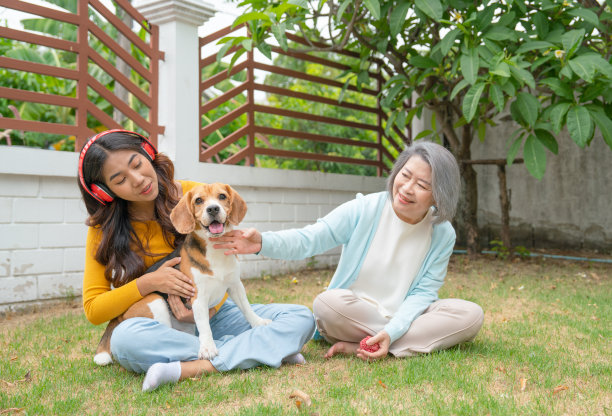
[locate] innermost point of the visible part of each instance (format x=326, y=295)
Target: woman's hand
x=239, y=242
x=383, y=339
x=182, y=313
x=179, y=310
x=168, y=280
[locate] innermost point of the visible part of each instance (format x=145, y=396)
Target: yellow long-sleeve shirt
x=100, y=302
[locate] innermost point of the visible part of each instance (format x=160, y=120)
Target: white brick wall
x=42, y=219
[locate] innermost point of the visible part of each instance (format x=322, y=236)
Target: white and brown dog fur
x=206, y=211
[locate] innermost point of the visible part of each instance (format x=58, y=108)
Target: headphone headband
x=98, y=191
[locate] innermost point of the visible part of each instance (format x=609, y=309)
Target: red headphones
x=98, y=190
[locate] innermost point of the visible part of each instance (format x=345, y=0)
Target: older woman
x=396, y=247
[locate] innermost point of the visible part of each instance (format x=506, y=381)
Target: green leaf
x=547, y=140
x=535, y=157
x=571, y=41
x=390, y=122
x=482, y=131
x=392, y=92
x=342, y=8
x=471, y=100
x=432, y=8
x=557, y=115
x=247, y=44
x=501, y=33
x=237, y=55
x=374, y=7
x=250, y=16
x=400, y=121
x=560, y=88
x=497, y=97
x=279, y=32
x=528, y=106
x=301, y=3
x=469, y=65
x=523, y=76
x=586, y=15
x=603, y=122
x=422, y=62
x=540, y=20
x=514, y=148
x=448, y=41
x=422, y=134
x=579, y=125
x=265, y=49
x=398, y=17
x=460, y=85
x=502, y=69
x=583, y=67
x=533, y=45
x=223, y=51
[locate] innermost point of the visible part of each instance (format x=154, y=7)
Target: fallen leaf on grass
x=14, y=358
x=382, y=384
x=11, y=410
x=523, y=383
x=595, y=276
x=26, y=379
x=300, y=398
x=559, y=389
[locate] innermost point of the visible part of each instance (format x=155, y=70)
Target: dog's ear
x=238, y=207
x=182, y=215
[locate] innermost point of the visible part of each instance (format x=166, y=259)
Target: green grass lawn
x=544, y=349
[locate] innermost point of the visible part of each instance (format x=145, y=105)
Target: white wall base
x=42, y=218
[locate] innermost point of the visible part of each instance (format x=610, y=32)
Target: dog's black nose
x=212, y=210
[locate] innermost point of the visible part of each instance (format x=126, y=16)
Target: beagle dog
x=206, y=211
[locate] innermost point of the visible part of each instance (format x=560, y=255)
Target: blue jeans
x=138, y=343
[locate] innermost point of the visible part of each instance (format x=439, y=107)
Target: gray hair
x=445, y=176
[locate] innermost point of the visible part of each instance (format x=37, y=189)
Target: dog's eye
x=198, y=201
x=222, y=197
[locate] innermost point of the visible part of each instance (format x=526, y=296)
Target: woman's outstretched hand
x=384, y=341
x=246, y=241
x=168, y=280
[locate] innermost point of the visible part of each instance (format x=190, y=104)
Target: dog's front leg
x=237, y=292
x=208, y=349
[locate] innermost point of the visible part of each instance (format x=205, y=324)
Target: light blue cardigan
x=353, y=225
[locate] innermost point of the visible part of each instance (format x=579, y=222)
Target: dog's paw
x=103, y=358
x=207, y=351
x=261, y=322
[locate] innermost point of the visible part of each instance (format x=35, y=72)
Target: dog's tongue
x=216, y=228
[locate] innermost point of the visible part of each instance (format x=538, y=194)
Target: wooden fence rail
x=107, y=47
x=241, y=132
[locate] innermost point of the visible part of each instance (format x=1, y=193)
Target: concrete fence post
x=178, y=22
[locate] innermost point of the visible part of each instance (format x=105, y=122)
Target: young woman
x=129, y=191
x=396, y=248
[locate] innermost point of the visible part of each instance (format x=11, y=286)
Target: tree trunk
x=504, y=201
x=468, y=202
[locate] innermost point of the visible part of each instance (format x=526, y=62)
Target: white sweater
x=393, y=261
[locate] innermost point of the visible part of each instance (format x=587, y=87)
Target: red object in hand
x=368, y=348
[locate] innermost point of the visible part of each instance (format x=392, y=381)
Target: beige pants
x=341, y=316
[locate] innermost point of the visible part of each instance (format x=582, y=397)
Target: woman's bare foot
x=342, y=348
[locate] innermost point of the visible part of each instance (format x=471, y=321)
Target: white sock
x=161, y=373
x=296, y=358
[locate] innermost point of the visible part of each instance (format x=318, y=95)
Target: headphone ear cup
x=149, y=150
x=102, y=192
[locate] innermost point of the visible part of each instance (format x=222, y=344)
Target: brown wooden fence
x=267, y=114
x=112, y=81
